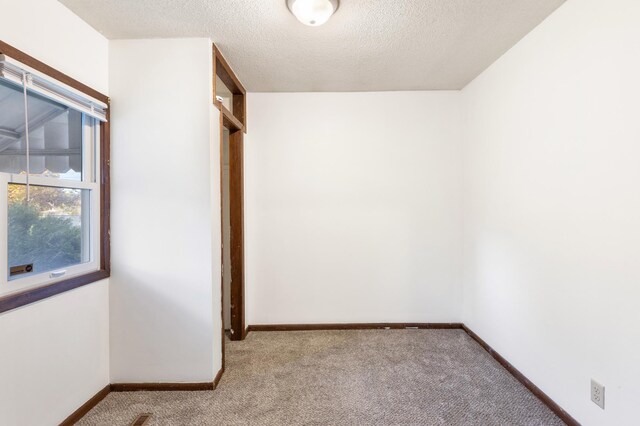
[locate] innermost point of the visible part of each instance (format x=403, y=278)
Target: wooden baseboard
x=353, y=326
x=86, y=407
x=129, y=387
x=134, y=387
x=553, y=406
x=201, y=386
x=216, y=379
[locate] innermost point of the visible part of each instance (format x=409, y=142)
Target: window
x=53, y=233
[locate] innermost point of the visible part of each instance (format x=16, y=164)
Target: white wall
x=51, y=33
x=165, y=284
x=353, y=207
x=552, y=207
x=55, y=352
x=54, y=357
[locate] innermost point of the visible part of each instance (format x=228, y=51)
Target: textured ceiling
x=368, y=45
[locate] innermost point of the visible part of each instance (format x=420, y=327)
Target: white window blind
x=36, y=82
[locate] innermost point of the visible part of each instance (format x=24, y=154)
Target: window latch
x=57, y=274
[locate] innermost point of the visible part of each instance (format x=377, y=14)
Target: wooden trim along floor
x=128, y=387
x=216, y=379
x=353, y=326
x=553, y=406
x=86, y=407
x=133, y=387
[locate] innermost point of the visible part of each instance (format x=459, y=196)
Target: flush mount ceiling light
x=313, y=12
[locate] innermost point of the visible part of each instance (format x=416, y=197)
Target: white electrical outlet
x=597, y=393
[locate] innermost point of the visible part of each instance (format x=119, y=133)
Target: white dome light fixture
x=313, y=12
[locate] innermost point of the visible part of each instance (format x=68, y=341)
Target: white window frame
x=91, y=173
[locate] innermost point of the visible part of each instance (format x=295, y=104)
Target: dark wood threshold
x=86, y=407
x=553, y=406
x=354, y=326
x=26, y=297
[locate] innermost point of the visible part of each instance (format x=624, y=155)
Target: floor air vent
x=141, y=420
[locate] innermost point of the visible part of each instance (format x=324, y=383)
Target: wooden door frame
x=236, y=219
x=235, y=122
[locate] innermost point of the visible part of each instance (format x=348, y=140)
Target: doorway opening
x=229, y=98
x=226, y=236
x=231, y=168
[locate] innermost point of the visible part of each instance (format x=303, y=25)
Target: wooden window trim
x=28, y=296
x=221, y=68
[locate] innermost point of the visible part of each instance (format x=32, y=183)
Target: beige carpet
x=368, y=377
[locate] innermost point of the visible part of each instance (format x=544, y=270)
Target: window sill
x=26, y=297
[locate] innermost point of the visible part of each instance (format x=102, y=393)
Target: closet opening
x=232, y=233
x=229, y=97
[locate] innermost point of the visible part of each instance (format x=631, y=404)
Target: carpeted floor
x=368, y=377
